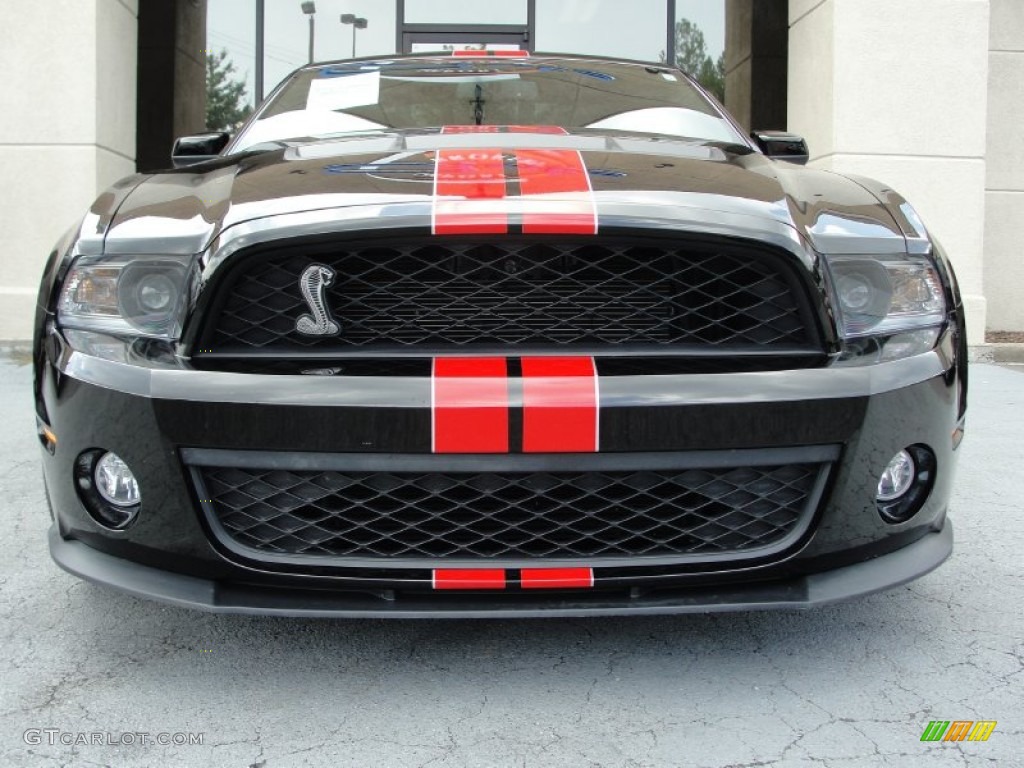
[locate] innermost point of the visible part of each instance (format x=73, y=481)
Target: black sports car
x=498, y=335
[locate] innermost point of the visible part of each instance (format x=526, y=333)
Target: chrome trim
x=662, y=213
x=414, y=392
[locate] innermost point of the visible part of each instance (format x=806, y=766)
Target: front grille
x=699, y=513
x=520, y=291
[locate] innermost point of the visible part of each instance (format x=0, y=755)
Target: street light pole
x=312, y=30
x=309, y=8
x=357, y=22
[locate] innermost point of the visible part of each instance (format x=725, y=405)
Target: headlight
x=126, y=296
x=886, y=296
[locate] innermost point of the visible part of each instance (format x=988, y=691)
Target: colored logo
x=958, y=730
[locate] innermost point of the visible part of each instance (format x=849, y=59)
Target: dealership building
x=924, y=95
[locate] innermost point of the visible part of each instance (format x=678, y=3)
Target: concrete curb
x=982, y=353
x=10, y=347
x=1007, y=353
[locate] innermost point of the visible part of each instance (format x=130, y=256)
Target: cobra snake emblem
x=312, y=282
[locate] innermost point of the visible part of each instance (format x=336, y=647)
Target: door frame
x=468, y=34
x=407, y=34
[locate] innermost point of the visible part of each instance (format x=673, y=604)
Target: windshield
x=435, y=92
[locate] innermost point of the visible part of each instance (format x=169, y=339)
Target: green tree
x=226, y=103
x=692, y=57
x=712, y=76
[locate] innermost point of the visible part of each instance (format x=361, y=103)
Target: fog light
x=115, y=482
x=897, y=477
x=107, y=488
x=905, y=483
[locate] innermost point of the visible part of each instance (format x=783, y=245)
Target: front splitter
x=811, y=591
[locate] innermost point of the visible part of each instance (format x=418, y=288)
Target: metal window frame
x=526, y=33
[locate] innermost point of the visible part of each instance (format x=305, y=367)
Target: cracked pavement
x=847, y=686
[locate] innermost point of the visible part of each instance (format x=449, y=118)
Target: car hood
x=390, y=179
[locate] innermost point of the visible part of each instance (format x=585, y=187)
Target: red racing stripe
x=469, y=404
x=557, y=172
x=560, y=405
x=556, y=578
x=469, y=578
x=465, y=180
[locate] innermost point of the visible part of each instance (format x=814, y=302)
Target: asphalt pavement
x=95, y=678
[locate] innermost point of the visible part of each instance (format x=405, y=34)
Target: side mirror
x=780, y=145
x=189, y=150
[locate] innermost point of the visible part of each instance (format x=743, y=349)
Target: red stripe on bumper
x=556, y=578
x=463, y=178
x=560, y=405
x=470, y=405
x=469, y=578
x=556, y=172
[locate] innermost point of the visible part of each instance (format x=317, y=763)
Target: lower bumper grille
x=333, y=516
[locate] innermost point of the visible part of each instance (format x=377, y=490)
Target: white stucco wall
x=1004, y=177
x=67, y=130
x=898, y=91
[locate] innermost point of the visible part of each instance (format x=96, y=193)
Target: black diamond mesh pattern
x=460, y=294
x=510, y=514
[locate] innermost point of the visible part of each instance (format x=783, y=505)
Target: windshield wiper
x=478, y=105
x=729, y=146
x=265, y=146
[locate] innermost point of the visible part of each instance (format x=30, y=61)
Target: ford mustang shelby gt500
x=498, y=336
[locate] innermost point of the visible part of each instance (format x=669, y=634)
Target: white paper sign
x=344, y=91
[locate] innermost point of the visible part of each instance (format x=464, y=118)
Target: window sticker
x=334, y=93
x=452, y=47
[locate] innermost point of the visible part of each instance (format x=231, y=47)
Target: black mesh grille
x=516, y=292
x=593, y=514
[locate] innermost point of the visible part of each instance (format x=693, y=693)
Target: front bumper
x=802, y=592
x=154, y=416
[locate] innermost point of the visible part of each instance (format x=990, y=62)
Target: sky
x=599, y=27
